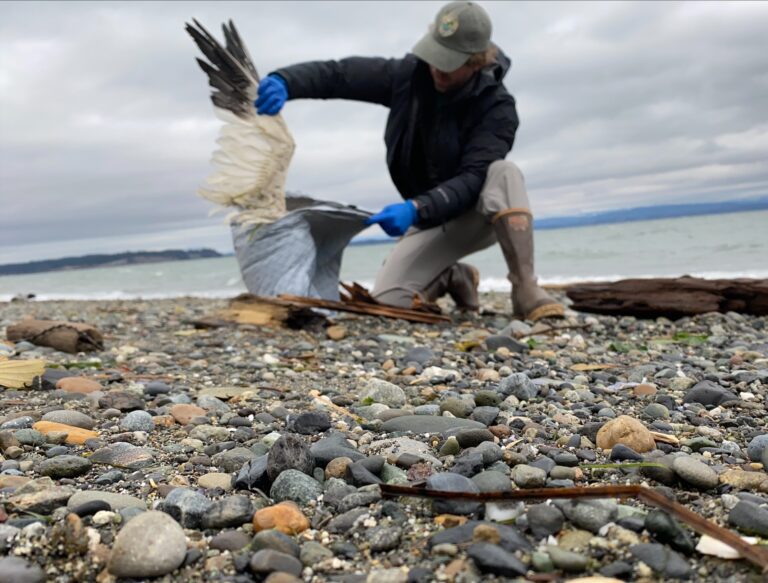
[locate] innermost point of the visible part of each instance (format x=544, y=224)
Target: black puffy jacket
x=439, y=146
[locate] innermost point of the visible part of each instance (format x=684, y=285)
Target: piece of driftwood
x=359, y=307
x=753, y=553
x=72, y=337
x=671, y=297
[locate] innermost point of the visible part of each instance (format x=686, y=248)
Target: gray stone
x=29, y=437
x=527, y=476
x=544, y=520
x=497, y=341
x=137, y=421
x=519, y=385
x=115, y=501
x=64, y=466
x=487, y=398
x=662, y=560
x=656, y=411
x=419, y=354
x=342, y=523
x=471, y=437
x=485, y=415
x=384, y=538
x=490, y=452
x=567, y=561
x=757, y=447
x=427, y=424
x=695, y=472
x=708, y=393
x=230, y=540
x=150, y=545
x=24, y=422
x=492, y=481
x=313, y=552
x=231, y=460
x=212, y=404
x=381, y=391
x=511, y=538
x=17, y=570
x=457, y=407
x=122, y=401
x=332, y=447
x=590, y=515
x=228, y=512
x=296, y=486
x=451, y=482
x=289, y=452
x=186, y=506
x=750, y=518
x=495, y=560
x=123, y=455
x=253, y=475
x=69, y=417
x=267, y=561
x=275, y=540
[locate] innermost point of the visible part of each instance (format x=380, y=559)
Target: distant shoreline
x=106, y=260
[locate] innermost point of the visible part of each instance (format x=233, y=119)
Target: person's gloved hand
x=395, y=219
x=272, y=95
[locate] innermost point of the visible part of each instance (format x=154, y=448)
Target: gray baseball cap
x=460, y=30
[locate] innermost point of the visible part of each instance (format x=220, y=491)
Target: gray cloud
x=106, y=127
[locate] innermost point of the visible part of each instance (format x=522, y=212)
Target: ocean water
x=711, y=246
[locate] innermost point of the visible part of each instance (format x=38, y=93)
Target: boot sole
x=546, y=311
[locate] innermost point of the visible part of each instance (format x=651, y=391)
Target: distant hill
x=110, y=260
x=645, y=213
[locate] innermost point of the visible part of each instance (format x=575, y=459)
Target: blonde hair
x=487, y=57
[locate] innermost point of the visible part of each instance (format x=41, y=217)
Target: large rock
x=626, y=431
x=151, y=545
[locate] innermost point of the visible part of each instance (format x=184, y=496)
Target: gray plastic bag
x=300, y=253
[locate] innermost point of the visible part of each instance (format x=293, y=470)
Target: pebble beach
x=247, y=453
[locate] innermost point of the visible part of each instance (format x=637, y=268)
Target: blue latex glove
x=272, y=95
x=395, y=219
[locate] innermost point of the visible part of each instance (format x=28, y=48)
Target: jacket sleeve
x=491, y=140
x=358, y=78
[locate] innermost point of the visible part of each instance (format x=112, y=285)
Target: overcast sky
x=106, y=127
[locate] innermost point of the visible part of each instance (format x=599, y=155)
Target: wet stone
x=230, y=540
x=667, y=530
x=749, y=518
x=18, y=570
x=451, y=482
x=187, y=507
x=275, y=540
x=709, y=394
x=493, y=559
x=621, y=452
x=267, y=561
x=228, y=512
x=544, y=520
x=662, y=560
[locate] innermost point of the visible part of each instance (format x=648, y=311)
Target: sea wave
x=487, y=284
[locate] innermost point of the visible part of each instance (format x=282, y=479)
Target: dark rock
x=358, y=499
x=426, y=424
x=289, y=453
x=359, y=475
x=64, y=466
x=309, y=423
x=267, y=561
x=485, y=415
x=468, y=464
x=253, y=475
x=617, y=570
x=419, y=354
x=344, y=522
x=662, y=560
x=511, y=538
x=493, y=343
x=91, y=508
x=471, y=437
x=332, y=447
x=493, y=559
x=749, y=518
x=667, y=530
x=17, y=570
x=519, y=385
x=621, y=452
x=709, y=394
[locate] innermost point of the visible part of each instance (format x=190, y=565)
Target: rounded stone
x=64, y=466
x=694, y=472
x=137, y=421
x=296, y=486
x=289, y=452
x=137, y=555
x=627, y=431
x=286, y=517
x=757, y=447
x=215, y=480
x=17, y=570
x=68, y=417
x=381, y=391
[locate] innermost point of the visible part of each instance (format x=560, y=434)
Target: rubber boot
x=514, y=231
x=459, y=281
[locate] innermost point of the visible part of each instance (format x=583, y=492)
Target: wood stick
x=753, y=553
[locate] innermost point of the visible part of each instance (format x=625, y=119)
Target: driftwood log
x=671, y=297
x=72, y=337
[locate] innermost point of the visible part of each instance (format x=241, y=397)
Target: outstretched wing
x=251, y=162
